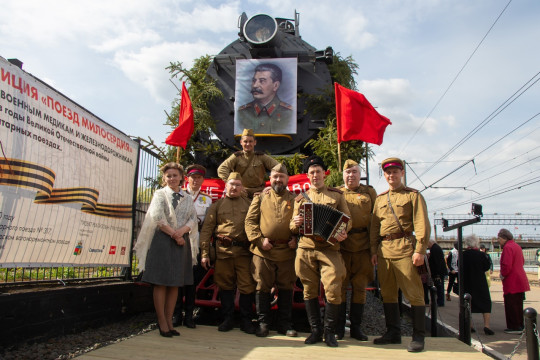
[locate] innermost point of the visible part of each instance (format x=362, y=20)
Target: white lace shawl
x=161, y=212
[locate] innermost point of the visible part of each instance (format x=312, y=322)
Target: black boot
x=341, y=321
x=331, y=315
x=262, y=304
x=314, y=317
x=393, y=325
x=355, y=314
x=189, y=305
x=419, y=328
x=227, y=310
x=285, y=313
x=246, y=310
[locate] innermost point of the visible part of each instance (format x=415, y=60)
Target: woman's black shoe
x=165, y=333
x=488, y=331
x=174, y=332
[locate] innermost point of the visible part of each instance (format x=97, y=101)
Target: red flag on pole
x=181, y=135
x=357, y=119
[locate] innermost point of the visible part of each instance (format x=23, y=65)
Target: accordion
x=322, y=221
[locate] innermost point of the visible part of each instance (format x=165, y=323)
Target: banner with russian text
x=66, y=179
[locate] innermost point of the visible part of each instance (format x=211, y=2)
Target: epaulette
x=298, y=198
x=285, y=105
x=239, y=153
x=335, y=190
x=411, y=189
x=245, y=106
x=257, y=193
x=384, y=193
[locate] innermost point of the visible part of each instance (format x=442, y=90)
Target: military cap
x=195, y=169
x=313, y=160
x=234, y=176
x=349, y=164
x=392, y=162
x=280, y=168
x=248, y=132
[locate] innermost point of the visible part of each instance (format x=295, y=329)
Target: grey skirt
x=167, y=263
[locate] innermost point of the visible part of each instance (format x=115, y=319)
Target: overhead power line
x=453, y=81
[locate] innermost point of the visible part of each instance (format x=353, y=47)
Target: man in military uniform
x=355, y=249
x=399, y=237
x=201, y=202
x=266, y=114
x=225, y=223
x=252, y=165
x=318, y=261
x=274, y=249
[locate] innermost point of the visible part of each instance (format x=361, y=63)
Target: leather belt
x=358, y=231
x=277, y=242
x=395, y=236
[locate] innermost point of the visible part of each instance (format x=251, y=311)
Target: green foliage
x=293, y=163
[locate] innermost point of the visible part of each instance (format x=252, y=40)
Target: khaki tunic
x=274, y=118
x=226, y=218
x=268, y=217
x=395, y=266
x=316, y=261
x=252, y=167
x=411, y=210
x=355, y=249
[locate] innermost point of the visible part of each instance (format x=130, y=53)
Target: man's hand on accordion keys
x=298, y=220
x=340, y=236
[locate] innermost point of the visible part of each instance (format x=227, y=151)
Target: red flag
x=357, y=119
x=181, y=135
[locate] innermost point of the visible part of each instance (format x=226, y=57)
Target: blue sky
x=110, y=57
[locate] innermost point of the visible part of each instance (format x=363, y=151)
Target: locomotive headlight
x=260, y=29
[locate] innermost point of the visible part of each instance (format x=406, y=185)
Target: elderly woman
x=475, y=265
x=163, y=247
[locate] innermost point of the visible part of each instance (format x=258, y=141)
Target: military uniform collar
x=191, y=192
x=355, y=189
x=398, y=189
x=268, y=108
x=318, y=191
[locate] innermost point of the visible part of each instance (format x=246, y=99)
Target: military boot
x=262, y=304
x=246, y=311
x=227, y=310
x=393, y=325
x=355, y=314
x=331, y=315
x=189, y=305
x=285, y=313
x=341, y=321
x=419, y=329
x=314, y=317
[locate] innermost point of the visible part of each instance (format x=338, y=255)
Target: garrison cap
x=280, y=168
x=248, y=132
x=313, y=160
x=195, y=169
x=392, y=162
x=349, y=164
x=234, y=176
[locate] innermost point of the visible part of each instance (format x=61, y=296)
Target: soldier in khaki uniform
x=397, y=249
x=252, y=165
x=316, y=260
x=225, y=222
x=274, y=249
x=355, y=249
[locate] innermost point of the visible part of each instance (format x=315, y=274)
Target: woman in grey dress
x=163, y=246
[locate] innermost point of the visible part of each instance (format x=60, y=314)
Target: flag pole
x=367, y=167
x=178, y=154
x=339, y=155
